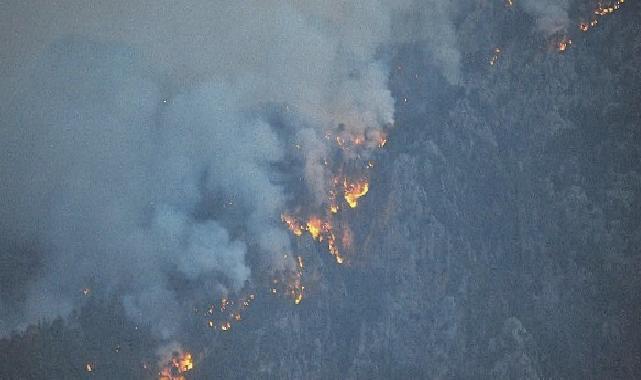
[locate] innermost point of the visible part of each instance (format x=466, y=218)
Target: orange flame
x=292, y=224
x=354, y=191
x=333, y=249
x=314, y=227
x=602, y=10
x=177, y=366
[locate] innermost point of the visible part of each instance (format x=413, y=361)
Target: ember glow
x=289, y=283
x=222, y=316
x=296, y=288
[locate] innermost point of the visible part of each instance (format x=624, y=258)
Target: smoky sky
x=139, y=143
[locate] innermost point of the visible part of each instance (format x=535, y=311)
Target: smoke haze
x=138, y=145
x=319, y=189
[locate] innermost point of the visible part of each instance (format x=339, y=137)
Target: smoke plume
x=140, y=143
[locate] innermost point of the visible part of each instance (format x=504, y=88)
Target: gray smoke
x=136, y=146
x=108, y=178
x=431, y=24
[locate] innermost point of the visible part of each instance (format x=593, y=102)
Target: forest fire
x=321, y=227
x=314, y=227
x=296, y=288
x=603, y=10
x=224, y=302
x=176, y=367
x=230, y=312
x=333, y=249
x=382, y=140
x=323, y=230
x=364, y=140
x=600, y=11
x=289, y=282
x=358, y=140
x=319, y=230
x=292, y=224
x=564, y=45
x=354, y=191
x=495, y=57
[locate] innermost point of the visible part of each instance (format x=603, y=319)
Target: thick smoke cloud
x=110, y=193
x=136, y=146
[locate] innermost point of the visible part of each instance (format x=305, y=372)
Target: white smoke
x=551, y=15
